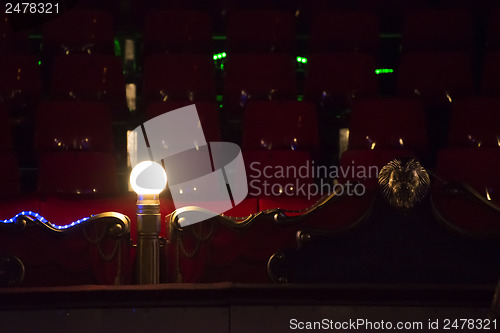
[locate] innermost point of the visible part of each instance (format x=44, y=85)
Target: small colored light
x=43, y=220
x=384, y=71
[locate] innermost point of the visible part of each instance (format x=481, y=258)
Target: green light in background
x=118, y=48
x=302, y=60
x=218, y=56
x=384, y=71
x=300, y=98
x=39, y=63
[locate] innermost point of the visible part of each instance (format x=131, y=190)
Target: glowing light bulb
x=148, y=177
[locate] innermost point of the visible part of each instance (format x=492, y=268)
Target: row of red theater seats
x=333, y=79
x=90, y=31
x=400, y=124
x=87, y=126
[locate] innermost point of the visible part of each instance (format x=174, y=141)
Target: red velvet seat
x=454, y=204
x=167, y=31
x=74, y=126
x=208, y=112
x=344, y=31
x=281, y=125
x=493, y=30
x=438, y=30
x=260, y=31
x=436, y=78
x=490, y=82
x=388, y=123
x=250, y=77
x=79, y=31
x=12, y=41
x=20, y=80
x=475, y=122
x=335, y=80
x=79, y=253
x=185, y=77
x=77, y=173
x=89, y=78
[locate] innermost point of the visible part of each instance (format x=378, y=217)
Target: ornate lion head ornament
x=404, y=183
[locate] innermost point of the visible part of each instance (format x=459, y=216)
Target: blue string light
x=44, y=220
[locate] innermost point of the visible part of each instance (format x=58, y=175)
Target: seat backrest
x=388, y=123
x=77, y=173
x=490, y=74
x=258, y=77
x=475, y=122
x=438, y=30
x=337, y=79
x=280, y=125
x=89, y=78
x=278, y=172
x=493, y=31
x=208, y=113
x=436, y=78
x=178, y=30
x=344, y=31
x=20, y=77
x=186, y=77
x=79, y=31
x=73, y=126
x=260, y=31
x=477, y=167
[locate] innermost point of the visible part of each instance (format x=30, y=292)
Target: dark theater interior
x=250, y=166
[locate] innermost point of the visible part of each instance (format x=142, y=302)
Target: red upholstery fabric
x=190, y=253
x=260, y=31
x=337, y=79
x=12, y=41
x=493, y=30
x=278, y=172
x=258, y=76
x=79, y=31
x=67, y=126
x=345, y=31
x=438, y=30
x=76, y=173
x=186, y=77
x=280, y=125
x=363, y=166
x=479, y=169
x=89, y=78
x=436, y=78
x=388, y=123
x=242, y=255
x=475, y=122
x=490, y=74
x=177, y=31
x=20, y=82
x=208, y=112
x=68, y=259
